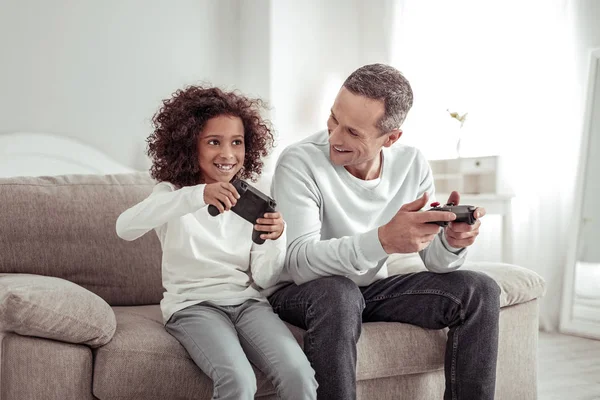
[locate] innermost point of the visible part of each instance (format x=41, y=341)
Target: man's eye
x=352, y=133
x=213, y=142
x=332, y=119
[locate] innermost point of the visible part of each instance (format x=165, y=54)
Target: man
x=350, y=199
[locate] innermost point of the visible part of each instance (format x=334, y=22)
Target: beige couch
x=80, y=318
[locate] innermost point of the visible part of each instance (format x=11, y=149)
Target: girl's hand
x=272, y=223
x=222, y=195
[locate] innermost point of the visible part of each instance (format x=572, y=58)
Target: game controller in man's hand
x=463, y=213
x=251, y=205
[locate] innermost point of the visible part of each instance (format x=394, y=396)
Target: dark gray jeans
x=332, y=310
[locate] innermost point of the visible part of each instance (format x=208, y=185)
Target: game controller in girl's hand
x=251, y=205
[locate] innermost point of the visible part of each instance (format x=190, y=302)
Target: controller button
x=435, y=204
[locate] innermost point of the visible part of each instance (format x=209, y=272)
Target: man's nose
x=334, y=134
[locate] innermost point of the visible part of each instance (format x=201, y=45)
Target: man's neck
x=366, y=171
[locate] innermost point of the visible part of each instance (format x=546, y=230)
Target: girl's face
x=221, y=149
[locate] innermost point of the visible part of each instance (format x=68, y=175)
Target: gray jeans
x=224, y=340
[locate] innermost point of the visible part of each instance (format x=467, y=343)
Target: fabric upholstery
x=35, y=368
x=54, y=308
x=516, y=371
x=396, y=361
x=384, y=349
x=64, y=226
x=518, y=284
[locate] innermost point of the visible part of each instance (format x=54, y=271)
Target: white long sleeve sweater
x=333, y=217
x=204, y=257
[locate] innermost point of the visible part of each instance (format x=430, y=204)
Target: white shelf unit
x=469, y=175
x=480, y=181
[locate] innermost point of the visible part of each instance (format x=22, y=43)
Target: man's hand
x=461, y=234
x=408, y=231
x=272, y=223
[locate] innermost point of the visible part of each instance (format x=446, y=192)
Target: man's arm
x=439, y=256
x=308, y=257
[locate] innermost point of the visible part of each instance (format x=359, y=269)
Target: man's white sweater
x=333, y=217
x=204, y=257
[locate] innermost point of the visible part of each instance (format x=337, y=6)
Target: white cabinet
x=481, y=182
x=470, y=175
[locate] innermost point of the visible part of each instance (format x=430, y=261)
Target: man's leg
x=465, y=301
x=330, y=310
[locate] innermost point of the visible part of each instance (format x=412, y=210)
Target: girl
x=211, y=269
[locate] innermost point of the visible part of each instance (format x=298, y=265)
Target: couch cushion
x=518, y=284
x=36, y=368
x=54, y=308
x=64, y=226
x=144, y=361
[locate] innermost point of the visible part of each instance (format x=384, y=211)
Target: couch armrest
x=54, y=308
x=34, y=368
x=519, y=285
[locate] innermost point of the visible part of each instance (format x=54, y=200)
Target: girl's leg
x=208, y=335
x=270, y=346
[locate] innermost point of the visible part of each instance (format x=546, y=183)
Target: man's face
x=354, y=139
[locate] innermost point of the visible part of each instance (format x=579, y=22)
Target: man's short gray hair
x=383, y=82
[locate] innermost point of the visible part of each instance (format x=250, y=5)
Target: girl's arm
x=266, y=261
x=163, y=204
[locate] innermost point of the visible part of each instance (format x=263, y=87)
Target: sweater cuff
x=197, y=197
x=370, y=246
x=455, y=250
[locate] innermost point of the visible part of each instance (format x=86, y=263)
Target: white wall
x=588, y=37
x=97, y=71
x=315, y=45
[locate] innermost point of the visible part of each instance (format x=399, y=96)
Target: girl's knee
x=239, y=383
x=297, y=381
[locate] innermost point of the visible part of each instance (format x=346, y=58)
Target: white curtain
x=510, y=65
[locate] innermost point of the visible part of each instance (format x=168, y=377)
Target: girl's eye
x=238, y=142
x=213, y=142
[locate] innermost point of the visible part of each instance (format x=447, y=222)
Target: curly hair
x=172, y=146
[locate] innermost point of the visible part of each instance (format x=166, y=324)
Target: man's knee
x=337, y=294
x=480, y=288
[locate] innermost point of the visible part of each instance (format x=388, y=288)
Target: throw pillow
x=54, y=308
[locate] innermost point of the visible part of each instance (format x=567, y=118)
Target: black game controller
x=251, y=205
x=463, y=213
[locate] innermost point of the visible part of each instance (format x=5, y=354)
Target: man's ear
x=392, y=137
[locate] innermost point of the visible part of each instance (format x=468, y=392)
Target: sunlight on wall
x=511, y=66
x=507, y=69
x=333, y=83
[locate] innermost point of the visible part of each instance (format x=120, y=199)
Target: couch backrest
x=64, y=226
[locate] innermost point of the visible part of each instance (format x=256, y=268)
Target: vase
x=458, y=148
